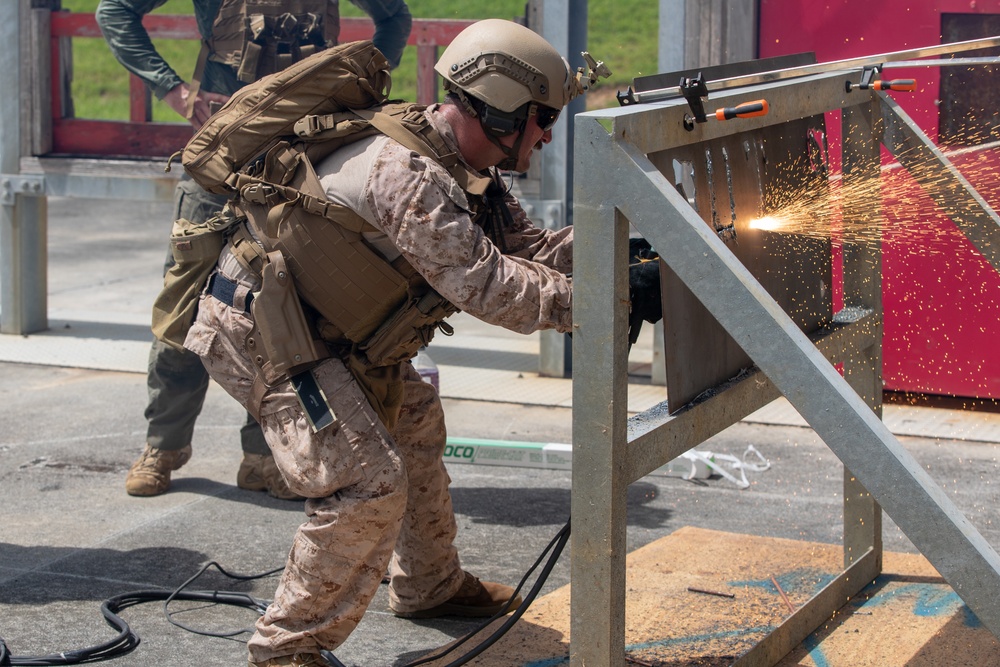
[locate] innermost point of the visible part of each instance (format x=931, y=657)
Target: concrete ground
x=71, y=422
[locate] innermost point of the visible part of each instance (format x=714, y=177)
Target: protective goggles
x=546, y=117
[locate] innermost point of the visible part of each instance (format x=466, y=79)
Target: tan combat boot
x=150, y=475
x=477, y=599
x=259, y=472
x=297, y=660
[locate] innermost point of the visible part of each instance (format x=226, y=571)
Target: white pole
x=23, y=283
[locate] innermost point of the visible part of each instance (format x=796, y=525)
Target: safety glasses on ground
x=546, y=117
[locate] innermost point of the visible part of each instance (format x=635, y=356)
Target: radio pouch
x=195, y=248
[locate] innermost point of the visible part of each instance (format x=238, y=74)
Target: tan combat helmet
x=504, y=73
x=506, y=66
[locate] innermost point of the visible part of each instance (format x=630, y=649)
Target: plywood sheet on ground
x=908, y=616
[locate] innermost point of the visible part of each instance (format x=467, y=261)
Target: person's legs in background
x=177, y=384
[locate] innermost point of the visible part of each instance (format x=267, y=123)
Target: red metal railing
x=139, y=137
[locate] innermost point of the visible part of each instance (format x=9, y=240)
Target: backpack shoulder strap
x=407, y=125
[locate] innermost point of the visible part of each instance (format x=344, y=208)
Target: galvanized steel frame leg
x=599, y=421
x=861, y=163
x=862, y=259
x=23, y=279
x=564, y=25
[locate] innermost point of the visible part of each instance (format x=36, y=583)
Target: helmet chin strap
x=509, y=163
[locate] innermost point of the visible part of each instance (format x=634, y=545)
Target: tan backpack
x=260, y=148
x=350, y=76
x=256, y=118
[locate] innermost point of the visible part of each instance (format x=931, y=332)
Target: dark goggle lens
x=546, y=117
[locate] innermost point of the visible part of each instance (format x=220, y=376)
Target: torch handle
x=745, y=110
x=896, y=84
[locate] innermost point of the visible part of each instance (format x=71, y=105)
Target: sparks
x=768, y=223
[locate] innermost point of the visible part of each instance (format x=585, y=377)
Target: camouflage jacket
x=424, y=215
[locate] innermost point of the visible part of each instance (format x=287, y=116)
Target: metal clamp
x=12, y=185
x=693, y=90
x=868, y=74
x=870, y=82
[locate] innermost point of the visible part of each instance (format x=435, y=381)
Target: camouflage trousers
x=371, y=494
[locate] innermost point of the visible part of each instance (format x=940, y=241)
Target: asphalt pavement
x=71, y=538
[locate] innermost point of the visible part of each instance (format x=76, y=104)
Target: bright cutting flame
x=768, y=223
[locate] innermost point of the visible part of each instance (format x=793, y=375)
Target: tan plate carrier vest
x=371, y=312
x=259, y=37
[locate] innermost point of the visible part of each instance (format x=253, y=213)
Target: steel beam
x=941, y=180
x=843, y=66
x=600, y=391
x=790, y=100
x=861, y=130
x=90, y=178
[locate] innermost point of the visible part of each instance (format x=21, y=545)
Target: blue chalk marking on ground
x=815, y=651
x=932, y=600
x=548, y=662
x=929, y=599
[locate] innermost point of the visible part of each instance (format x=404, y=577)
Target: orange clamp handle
x=896, y=84
x=745, y=110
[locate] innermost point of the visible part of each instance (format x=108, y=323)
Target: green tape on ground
x=542, y=455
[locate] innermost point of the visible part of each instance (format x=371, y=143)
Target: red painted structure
x=941, y=297
x=140, y=138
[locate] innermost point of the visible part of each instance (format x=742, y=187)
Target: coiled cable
x=127, y=640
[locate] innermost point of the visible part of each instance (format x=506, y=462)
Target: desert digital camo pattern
x=426, y=216
x=374, y=495
x=369, y=492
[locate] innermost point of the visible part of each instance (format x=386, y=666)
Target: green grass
x=621, y=32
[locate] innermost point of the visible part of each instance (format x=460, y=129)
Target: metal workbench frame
x=615, y=185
